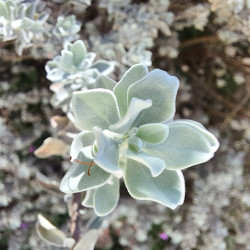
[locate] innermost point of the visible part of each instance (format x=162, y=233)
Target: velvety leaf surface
x=134, y=74
x=77, y=178
x=153, y=133
x=135, y=107
x=154, y=164
x=105, y=82
x=186, y=145
x=106, y=197
x=94, y=108
x=159, y=87
x=79, y=51
x=81, y=141
x=167, y=189
x=107, y=156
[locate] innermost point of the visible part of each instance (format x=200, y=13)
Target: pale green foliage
x=74, y=70
x=66, y=28
x=55, y=237
x=20, y=21
x=134, y=137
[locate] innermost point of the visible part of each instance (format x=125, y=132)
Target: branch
x=75, y=217
x=199, y=40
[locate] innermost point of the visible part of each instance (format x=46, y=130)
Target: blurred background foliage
x=206, y=44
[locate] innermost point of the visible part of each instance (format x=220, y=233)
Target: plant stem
x=200, y=40
x=75, y=218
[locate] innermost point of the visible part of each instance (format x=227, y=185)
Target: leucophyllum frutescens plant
x=129, y=133
x=22, y=22
x=74, y=70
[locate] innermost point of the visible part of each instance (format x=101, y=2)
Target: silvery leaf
x=186, y=145
x=154, y=164
x=51, y=146
x=88, y=240
x=134, y=74
x=3, y=10
x=153, y=133
x=77, y=178
x=105, y=82
x=106, y=197
x=135, y=107
x=79, y=51
x=81, y=141
x=104, y=67
x=107, y=156
x=167, y=189
x=159, y=87
x=94, y=108
x=51, y=234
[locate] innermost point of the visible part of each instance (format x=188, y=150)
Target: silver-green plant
x=21, y=22
x=129, y=132
x=66, y=28
x=74, y=70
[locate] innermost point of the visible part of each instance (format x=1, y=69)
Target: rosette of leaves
x=74, y=70
x=129, y=133
x=66, y=28
x=21, y=22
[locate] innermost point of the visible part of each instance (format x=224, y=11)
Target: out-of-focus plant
x=55, y=237
x=21, y=22
x=64, y=132
x=129, y=132
x=66, y=28
x=74, y=70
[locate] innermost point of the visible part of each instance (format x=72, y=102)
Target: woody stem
x=75, y=217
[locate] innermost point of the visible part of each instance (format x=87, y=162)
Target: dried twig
x=199, y=40
x=10, y=57
x=75, y=218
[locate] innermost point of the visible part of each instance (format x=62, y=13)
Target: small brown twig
x=75, y=217
x=199, y=40
x=11, y=57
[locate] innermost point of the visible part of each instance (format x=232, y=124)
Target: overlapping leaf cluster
x=22, y=22
x=129, y=132
x=74, y=70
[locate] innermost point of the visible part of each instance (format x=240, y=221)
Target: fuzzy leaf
x=135, y=107
x=3, y=10
x=154, y=164
x=167, y=189
x=88, y=241
x=186, y=145
x=94, y=108
x=81, y=141
x=104, y=67
x=106, y=197
x=88, y=200
x=105, y=82
x=154, y=133
x=49, y=232
x=159, y=87
x=79, y=51
x=134, y=74
x=77, y=178
x=107, y=156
